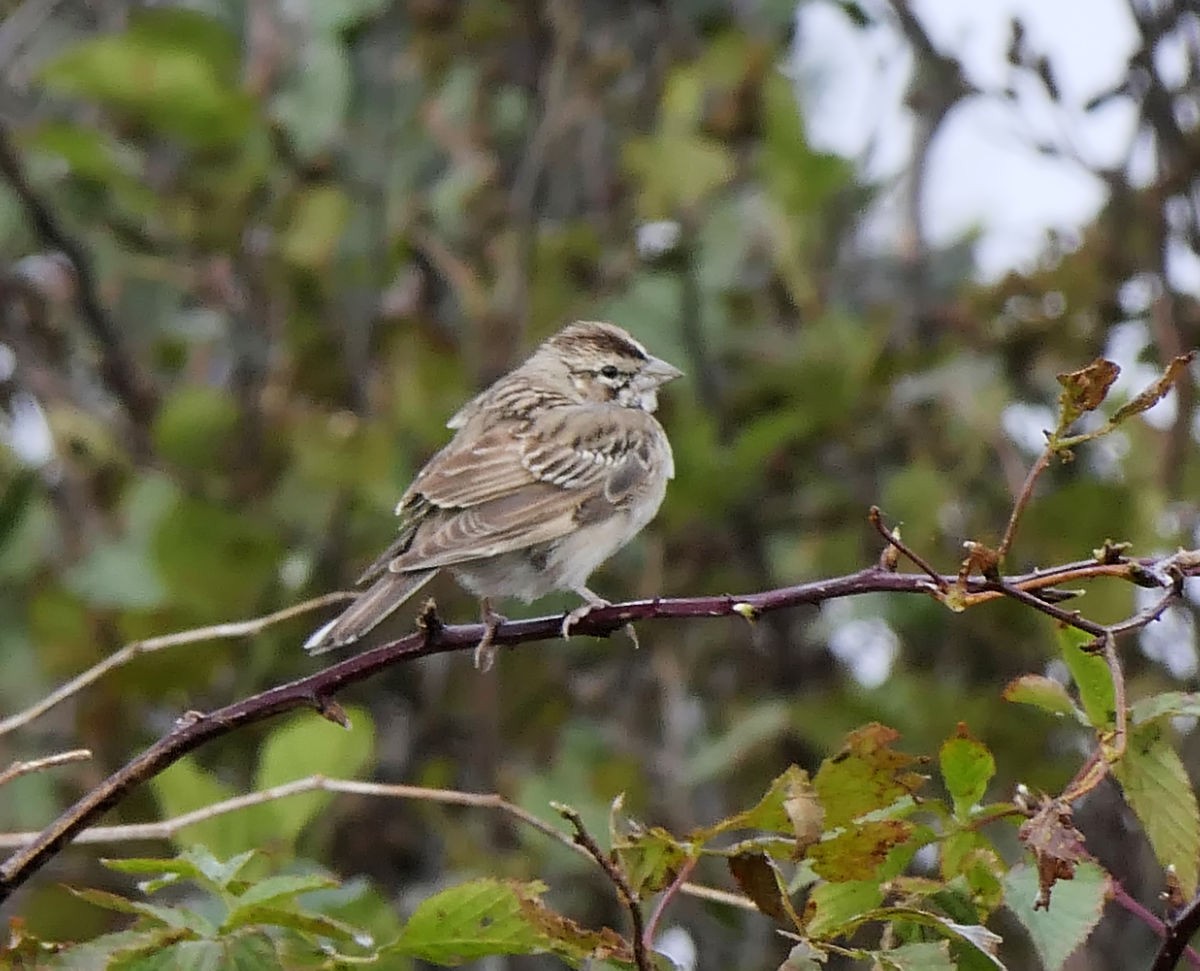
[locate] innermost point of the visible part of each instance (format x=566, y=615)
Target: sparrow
x=551, y=470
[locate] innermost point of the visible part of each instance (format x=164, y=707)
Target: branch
x=165, y=829
x=238, y=628
x=118, y=367
x=18, y=769
x=630, y=899
x=317, y=690
x=1178, y=930
x=1121, y=897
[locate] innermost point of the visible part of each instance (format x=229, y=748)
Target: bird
x=551, y=470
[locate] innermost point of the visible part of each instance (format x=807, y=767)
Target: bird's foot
x=485, y=650
x=576, y=615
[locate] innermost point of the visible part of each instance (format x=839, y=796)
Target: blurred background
x=870, y=232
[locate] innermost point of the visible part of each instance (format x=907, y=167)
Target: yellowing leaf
x=868, y=774
x=860, y=850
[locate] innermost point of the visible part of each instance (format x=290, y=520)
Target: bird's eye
x=609, y=371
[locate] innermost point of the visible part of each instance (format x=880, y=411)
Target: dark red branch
x=317, y=690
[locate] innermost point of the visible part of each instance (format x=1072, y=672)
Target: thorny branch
x=317, y=690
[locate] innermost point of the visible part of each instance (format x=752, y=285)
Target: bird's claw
x=485, y=650
x=576, y=615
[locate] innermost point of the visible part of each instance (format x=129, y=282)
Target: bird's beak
x=660, y=371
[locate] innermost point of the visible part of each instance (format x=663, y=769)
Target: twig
x=166, y=829
x=1071, y=618
x=315, y=690
x=1121, y=716
x=630, y=899
x=18, y=769
x=1121, y=897
x=893, y=539
x=118, y=367
x=668, y=895
x=239, y=628
x=1022, y=500
x=1177, y=931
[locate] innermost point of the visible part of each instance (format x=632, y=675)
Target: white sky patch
x=27, y=432
x=985, y=171
x=1171, y=640
x=867, y=646
x=677, y=946
x=1027, y=424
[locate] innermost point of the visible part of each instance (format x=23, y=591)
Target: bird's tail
x=372, y=606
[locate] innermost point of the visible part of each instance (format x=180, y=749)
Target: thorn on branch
x=331, y=711
x=428, y=621
x=1111, y=552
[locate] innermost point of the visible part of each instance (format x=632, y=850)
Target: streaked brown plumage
x=550, y=471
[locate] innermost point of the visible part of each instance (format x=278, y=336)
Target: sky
x=985, y=171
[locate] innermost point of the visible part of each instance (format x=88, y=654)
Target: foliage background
x=318, y=227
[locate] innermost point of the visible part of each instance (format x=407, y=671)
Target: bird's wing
x=521, y=484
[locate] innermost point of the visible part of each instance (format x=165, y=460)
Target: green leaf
x=472, y=920
x=336, y=16
x=1167, y=704
x=1092, y=678
x=318, y=220
x=304, y=922
x=195, y=426
x=676, y=170
x=196, y=864
x=309, y=745
x=650, y=859
x=868, y=774
x=271, y=889
x=216, y=560
x=312, y=106
x=179, y=919
x=243, y=952
x=117, y=575
x=1075, y=909
x=173, y=69
x=221, y=872
x=1044, y=693
x=918, y=956
x=982, y=942
x=1157, y=788
x=967, y=767
x=832, y=907
x=779, y=811
x=185, y=786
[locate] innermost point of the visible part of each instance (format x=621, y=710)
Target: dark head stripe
x=603, y=338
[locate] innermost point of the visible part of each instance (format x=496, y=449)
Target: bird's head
x=604, y=363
